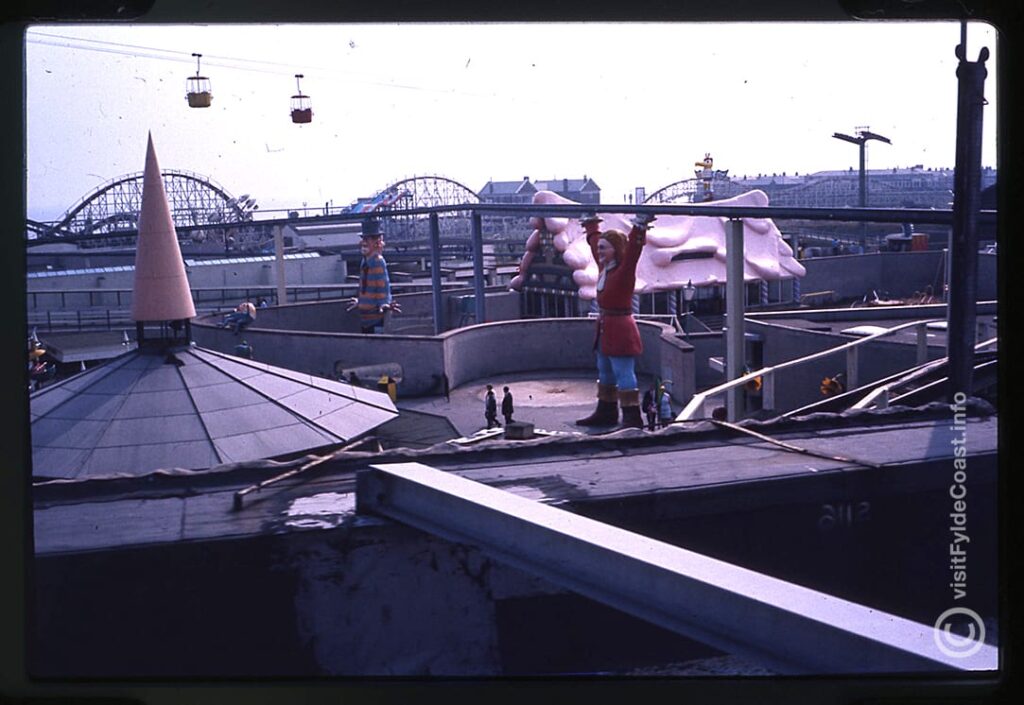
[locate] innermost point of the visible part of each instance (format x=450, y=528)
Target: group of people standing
x=657, y=406
x=491, y=407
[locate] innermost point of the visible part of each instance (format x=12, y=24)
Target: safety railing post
x=852, y=359
x=922, y=344
x=435, y=272
x=479, y=310
x=768, y=390
x=882, y=402
x=735, y=363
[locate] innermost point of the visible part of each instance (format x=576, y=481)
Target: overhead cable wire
x=229, y=62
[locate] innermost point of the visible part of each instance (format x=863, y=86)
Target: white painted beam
x=787, y=627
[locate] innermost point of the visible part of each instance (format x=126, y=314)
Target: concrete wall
x=705, y=346
x=898, y=274
x=500, y=304
x=463, y=354
x=420, y=358
x=560, y=344
x=799, y=386
x=417, y=316
x=988, y=278
x=323, y=316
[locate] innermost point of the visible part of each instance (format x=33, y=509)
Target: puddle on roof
x=320, y=511
x=527, y=492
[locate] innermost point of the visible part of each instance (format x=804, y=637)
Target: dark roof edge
x=702, y=432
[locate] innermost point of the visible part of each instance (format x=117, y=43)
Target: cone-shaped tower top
x=161, y=291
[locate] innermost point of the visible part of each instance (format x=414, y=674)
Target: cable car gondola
x=302, y=107
x=198, y=89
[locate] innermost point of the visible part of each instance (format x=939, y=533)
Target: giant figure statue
x=680, y=249
x=617, y=340
x=374, y=298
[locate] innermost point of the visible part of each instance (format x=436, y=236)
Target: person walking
x=665, y=408
x=506, y=406
x=650, y=409
x=491, y=408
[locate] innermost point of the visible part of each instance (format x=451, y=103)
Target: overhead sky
x=628, y=105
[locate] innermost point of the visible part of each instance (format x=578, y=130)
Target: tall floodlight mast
x=863, y=135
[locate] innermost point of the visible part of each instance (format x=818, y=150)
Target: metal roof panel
x=131, y=432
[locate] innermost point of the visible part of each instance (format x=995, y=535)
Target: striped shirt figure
x=374, y=284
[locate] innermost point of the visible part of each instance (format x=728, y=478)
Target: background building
x=901, y=187
x=583, y=190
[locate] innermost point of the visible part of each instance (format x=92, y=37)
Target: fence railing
x=880, y=396
x=64, y=314
x=695, y=407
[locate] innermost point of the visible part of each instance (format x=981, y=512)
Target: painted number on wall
x=843, y=514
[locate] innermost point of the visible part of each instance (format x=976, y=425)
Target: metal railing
x=66, y=316
x=767, y=374
x=879, y=397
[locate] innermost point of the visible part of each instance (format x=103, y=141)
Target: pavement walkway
x=551, y=401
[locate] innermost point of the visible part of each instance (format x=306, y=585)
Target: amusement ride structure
x=113, y=208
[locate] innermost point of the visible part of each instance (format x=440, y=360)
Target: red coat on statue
x=617, y=333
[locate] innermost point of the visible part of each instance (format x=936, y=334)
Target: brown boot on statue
x=607, y=411
x=630, y=402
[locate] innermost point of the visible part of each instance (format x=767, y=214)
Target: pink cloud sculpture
x=700, y=240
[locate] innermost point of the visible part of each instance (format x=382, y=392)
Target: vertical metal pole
x=435, y=272
x=478, y=267
x=862, y=200
x=963, y=251
x=863, y=191
x=734, y=312
x=922, y=344
x=852, y=373
x=768, y=391
x=282, y=293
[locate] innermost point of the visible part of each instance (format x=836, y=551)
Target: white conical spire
x=161, y=291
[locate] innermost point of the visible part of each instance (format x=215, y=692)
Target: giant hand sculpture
x=680, y=248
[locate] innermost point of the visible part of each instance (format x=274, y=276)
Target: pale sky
x=628, y=105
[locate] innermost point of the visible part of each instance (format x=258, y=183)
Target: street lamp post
x=688, y=293
x=863, y=135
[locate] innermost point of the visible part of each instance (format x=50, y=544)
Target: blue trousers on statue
x=616, y=370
